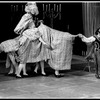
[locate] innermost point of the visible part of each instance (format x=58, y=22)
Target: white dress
x=25, y=23
x=30, y=51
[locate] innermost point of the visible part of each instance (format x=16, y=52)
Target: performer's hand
x=22, y=40
x=80, y=35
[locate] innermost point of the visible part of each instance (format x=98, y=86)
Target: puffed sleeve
x=31, y=34
x=88, y=40
x=23, y=23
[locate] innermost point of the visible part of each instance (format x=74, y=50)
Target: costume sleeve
x=22, y=40
x=73, y=37
x=31, y=34
x=88, y=40
x=23, y=23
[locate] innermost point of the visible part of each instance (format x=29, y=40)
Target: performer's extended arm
x=87, y=40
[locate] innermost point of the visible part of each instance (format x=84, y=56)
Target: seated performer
x=95, y=40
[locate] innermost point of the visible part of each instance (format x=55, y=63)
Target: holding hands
x=80, y=35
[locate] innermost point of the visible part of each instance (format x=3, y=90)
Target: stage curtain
x=91, y=19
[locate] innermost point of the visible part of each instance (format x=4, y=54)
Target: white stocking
x=36, y=68
x=11, y=70
x=42, y=67
x=24, y=69
x=19, y=70
x=56, y=72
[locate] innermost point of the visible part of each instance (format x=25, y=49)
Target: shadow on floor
x=77, y=83
x=76, y=66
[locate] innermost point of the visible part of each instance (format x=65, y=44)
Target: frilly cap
x=31, y=7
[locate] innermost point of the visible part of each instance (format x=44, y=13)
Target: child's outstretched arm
x=88, y=40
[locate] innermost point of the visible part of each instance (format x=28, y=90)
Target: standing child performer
x=95, y=40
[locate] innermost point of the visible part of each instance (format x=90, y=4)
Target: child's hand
x=80, y=35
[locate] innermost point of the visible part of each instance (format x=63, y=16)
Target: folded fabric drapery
x=33, y=50
x=59, y=58
x=10, y=45
x=25, y=22
x=62, y=54
x=61, y=42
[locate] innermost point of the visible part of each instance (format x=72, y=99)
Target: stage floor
x=76, y=83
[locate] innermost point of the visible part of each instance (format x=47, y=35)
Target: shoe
x=97, y=76
x=18, y=76
x=60, y=75
x=26, y=75
x=44, y=74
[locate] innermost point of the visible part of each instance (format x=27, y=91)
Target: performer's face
x=35, y=11
x=98, y=34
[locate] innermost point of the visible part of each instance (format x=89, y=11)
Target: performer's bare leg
x=36, y=68
x=24, y=69
x=97, y=75
x=42, y=67
x=16, y=69
x=14, y=66
x=57, y=74
x=20, y=67
x=11, y=70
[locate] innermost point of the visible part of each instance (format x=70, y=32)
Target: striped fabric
x=10, y=45
x=25, y=22
x=61, y=42
x=34, y=50
x=61, y=56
